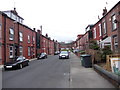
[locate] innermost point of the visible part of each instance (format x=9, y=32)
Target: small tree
x=94, y=45
x=106, y=51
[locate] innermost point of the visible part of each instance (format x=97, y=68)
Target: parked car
x=42, y=56
x=64, y=54
x=18, y=62
x=57, y=52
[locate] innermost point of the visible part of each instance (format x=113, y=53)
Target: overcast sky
x=63, y=20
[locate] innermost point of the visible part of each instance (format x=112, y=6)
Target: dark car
x=42, y=56
x=19, y=62
x=64, y=54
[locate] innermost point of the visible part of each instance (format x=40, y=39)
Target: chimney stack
x=46, y=35
x=33, y=29
x=39, y=31
x=104, y=11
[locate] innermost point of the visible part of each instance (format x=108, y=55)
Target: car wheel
x=21, y=66
x=27, y=64
x=5, y=69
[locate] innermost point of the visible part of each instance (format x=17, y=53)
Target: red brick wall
x=51, y=47
x=111, y=32
x=97, y=31
x=45, y=44
x=26, y=31
x=1, y=39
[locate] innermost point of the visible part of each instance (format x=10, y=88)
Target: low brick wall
x=114, y=79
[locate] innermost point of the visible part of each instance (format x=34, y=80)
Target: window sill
x=11, y=39
x=11, y=57
x=114, y=30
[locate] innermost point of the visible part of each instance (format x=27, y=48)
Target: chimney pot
x=104, y=11
x=34, y=29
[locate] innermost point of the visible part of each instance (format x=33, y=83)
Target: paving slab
x=82, y=77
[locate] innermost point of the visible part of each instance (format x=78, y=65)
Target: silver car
x=64, y=54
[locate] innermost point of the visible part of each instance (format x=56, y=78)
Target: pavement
x=82, y=77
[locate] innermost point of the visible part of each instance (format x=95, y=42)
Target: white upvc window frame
x=21, y=36
x=33, y=40
x=29, y=51
x=28, y=38
x=114, y=25
x=11, y=51
x=115, y=43
x=104, y=27
x=100, y=30
x=21, y=50
x=95, y=33
x=11, y=34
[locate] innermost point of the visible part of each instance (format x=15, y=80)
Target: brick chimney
x=104, y=11
x=39, y=31
x=46, y=35
x=14, y=11
x=33, y=29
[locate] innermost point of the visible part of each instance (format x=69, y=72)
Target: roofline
x=13, y=13
x=17, y=22
x=107, y=13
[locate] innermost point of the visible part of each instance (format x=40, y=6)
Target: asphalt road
x=46, y=73
x=54, y=73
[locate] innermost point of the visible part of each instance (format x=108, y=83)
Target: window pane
x=28, y=39
x=28, y=51
x=11, y=31
x=20, y=36
x=11, y=36
x=20, y=50
x=104, y=27
x=11, y=48
x=11, y=51
x=100, y=29
x=114, y=25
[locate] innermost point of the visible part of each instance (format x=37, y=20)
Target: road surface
x=54, y=73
